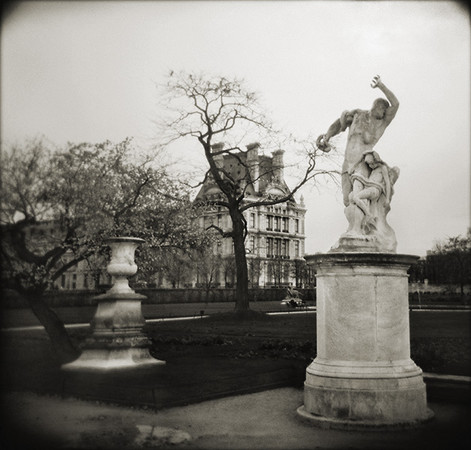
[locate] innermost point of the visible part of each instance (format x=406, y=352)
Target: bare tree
x=278, y=271
x=255, y=271
x=299, y=272
x=208, y=265
x=214, y=110
x=176, y=267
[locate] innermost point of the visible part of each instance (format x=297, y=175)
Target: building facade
x=275, y=234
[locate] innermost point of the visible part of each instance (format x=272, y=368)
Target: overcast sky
x=86, y=71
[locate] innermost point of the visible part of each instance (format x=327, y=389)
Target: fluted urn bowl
x=122, y=265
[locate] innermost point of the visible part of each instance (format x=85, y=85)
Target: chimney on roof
x=278, y=165
x=217, y=147
x=253, y=164
x=218, y=159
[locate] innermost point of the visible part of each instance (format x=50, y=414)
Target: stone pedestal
x=363, y=374
x=117, y=340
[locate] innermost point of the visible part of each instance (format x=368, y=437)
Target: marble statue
x=366, y=180
x=363, y=376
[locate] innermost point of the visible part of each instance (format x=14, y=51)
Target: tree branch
x=224, y=234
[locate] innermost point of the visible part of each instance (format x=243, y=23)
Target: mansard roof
x=261, y=174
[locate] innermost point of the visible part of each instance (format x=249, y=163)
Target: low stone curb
x=450, y=388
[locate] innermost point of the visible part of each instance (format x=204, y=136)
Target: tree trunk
x=61, y=342
x=242, y=282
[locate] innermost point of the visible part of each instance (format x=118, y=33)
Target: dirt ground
x=32, y=421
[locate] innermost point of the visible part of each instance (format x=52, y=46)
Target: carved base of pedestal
x=359, y=425
x=365, y=395
x=108, y=351
x=113, y=359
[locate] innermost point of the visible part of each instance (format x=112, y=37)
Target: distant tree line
x=449, y=263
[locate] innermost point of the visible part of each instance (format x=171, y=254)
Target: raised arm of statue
x=394, y=102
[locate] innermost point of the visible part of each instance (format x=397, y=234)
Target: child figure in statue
x=369, y=201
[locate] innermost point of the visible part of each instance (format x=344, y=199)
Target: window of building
x=269, y=247
x=252, y=244
x=252, y=220
x=286, y=224
x=296, y=248
x=296, y=225
x=270, y=223
x=277, y=223
x=277, y=248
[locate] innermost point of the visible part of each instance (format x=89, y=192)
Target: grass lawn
x=217, y=356
x=440, y=341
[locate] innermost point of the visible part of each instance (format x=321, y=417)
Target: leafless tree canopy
x=220, y=114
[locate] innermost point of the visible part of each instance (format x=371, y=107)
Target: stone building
x=275, y=234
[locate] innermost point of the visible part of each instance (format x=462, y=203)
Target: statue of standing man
x=366, y=128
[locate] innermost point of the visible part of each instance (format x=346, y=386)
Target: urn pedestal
x=117, y=340
x=363, y=375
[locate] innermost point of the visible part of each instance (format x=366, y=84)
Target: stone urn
x=117, y=340
x=122, y=264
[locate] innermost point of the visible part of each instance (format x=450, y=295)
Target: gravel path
x=265, y=420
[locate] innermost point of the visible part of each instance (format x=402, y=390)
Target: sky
x=87, y=72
